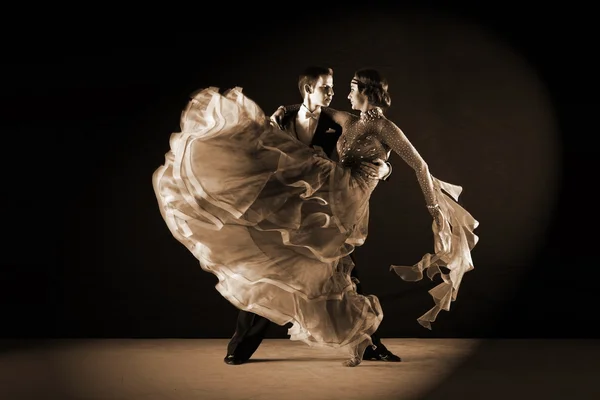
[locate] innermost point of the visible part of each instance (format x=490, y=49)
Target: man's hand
x=277, y=117
x=377, y=168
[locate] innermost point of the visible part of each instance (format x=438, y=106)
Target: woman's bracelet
x=433, y=206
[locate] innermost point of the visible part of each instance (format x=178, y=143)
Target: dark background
x=499, y=100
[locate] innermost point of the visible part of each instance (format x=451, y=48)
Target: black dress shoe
x=231, y=359
x=383, y=355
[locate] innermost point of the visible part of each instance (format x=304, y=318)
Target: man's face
x=322, y=92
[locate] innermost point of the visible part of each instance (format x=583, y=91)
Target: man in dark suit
x=313, y=128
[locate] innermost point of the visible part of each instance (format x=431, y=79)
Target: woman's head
x=369, y=87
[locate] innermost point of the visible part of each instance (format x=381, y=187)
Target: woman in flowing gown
x=275, y=221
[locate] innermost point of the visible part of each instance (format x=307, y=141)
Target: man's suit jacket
x=326, y=134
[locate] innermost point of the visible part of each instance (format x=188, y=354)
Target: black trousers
x=250, y=330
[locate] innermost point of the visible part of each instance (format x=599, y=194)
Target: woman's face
x=358, y=101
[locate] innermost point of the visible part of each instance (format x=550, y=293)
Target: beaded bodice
x=360, y=140
x=358, y=144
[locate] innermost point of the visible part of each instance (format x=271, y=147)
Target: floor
x=173, y=369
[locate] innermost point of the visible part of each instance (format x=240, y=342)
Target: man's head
x=316, y=86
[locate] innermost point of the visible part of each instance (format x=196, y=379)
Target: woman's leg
x=357, y=353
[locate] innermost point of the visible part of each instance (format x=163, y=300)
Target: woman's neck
x=371, y=113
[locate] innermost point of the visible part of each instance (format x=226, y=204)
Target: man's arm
x=277, y=117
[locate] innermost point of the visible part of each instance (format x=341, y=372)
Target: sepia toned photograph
x=300, y=201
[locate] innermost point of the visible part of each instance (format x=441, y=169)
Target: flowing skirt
x=270, y=217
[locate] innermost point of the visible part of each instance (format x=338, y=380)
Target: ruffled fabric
x=270, y=217
x=453, y=243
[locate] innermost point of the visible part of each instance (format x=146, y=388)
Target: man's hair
x=310, y=75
